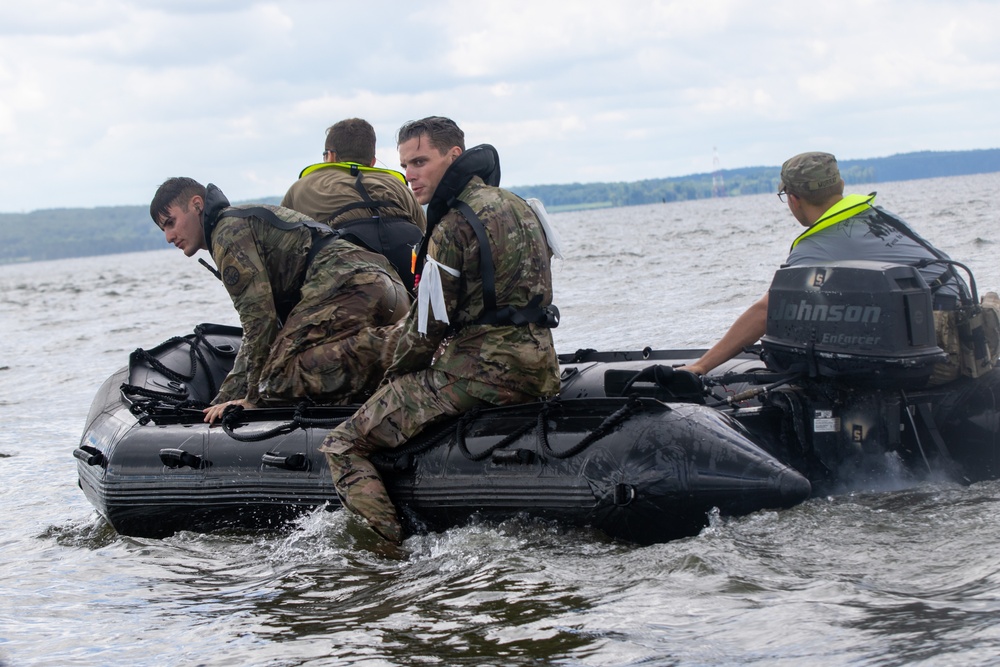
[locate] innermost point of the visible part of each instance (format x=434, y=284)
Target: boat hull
x=630, y=447
x=637, y=469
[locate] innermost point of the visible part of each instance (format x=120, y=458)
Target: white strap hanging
x=431, y=293
x=551, y=235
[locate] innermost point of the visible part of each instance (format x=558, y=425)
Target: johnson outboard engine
x=869, y=324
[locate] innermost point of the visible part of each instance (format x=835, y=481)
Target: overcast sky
x=100, y=101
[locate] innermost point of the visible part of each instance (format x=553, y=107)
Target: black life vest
x=217, y=207
x=482, y=161
x=322, y=236
x=393, y=236
x=533, y=313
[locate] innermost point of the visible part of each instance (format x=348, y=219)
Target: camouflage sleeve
x=235, y=384
x=415, y=351
x=245, y=277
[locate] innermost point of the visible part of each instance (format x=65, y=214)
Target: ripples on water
x=880, y=577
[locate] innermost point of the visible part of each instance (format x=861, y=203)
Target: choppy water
x=882, y=577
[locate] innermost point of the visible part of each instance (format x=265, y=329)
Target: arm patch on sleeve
x=237, y=273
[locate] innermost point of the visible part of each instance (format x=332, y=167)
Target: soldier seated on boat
x=479, y=332
x=315, y=309
x=369, y=205
x=853, y=228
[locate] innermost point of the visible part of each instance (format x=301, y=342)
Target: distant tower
x=718, y=189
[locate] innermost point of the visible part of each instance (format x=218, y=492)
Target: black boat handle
x=507, y=456
x=624, y=494
x=89, y=455
x=178, y=458
x=291, y=462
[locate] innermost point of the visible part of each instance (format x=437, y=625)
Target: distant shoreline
x=63, y=233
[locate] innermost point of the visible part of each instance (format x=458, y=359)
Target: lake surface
x=877, y=577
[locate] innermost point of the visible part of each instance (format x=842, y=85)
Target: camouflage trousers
x=399, y=410
x=333, y=351
x=337, y=372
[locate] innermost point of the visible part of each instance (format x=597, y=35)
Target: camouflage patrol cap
x=808, y=172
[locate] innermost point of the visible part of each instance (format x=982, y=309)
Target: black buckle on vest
x=545, y=316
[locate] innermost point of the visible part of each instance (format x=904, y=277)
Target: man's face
x=424, y=165
x=182, y=226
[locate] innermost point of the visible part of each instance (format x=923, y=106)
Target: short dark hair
x=353, y=140
x=178, y=189
x=442, y=133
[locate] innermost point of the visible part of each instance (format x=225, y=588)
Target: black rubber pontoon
x=635, y=468
x=835, y=399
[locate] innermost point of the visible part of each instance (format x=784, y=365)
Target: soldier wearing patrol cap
x=848, y=228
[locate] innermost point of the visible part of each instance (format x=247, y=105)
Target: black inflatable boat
x=832, y=400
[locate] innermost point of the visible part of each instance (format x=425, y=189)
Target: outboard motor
x=860, y=334
x=867, y=323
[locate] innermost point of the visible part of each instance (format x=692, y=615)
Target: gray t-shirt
x=867, y=237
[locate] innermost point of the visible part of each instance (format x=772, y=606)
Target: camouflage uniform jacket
x=261, y=266
x=515, y=357
x=325, y=188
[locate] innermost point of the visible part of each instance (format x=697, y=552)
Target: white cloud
x=100, y=100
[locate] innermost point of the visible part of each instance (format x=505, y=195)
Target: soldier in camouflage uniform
x=371, y=206
x=851, y=227
x=315, y=309
x=454, y=353
x=325, y=188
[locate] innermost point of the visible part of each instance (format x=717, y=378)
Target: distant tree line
x=757, y=180
x=77, y=232
x=82, y=232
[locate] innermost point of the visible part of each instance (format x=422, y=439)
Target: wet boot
x=361, y=491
